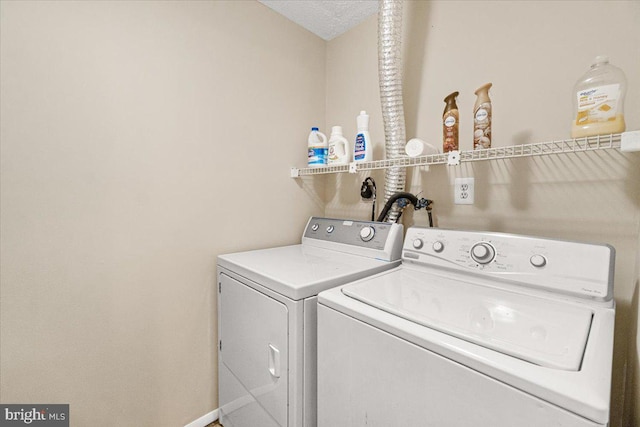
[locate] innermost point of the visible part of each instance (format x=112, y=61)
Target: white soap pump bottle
x=362, y=151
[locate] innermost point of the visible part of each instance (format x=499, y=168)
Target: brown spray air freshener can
x=450, y=124
x=482, y=118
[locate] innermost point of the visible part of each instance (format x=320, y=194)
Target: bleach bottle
x=362, y=150
x=317, y=149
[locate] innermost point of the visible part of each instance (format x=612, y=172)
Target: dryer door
x=253, y=357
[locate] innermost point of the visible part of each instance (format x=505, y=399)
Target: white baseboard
x=204, y=420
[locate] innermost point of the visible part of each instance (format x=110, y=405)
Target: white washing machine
x=267, y=317
x=473, y=329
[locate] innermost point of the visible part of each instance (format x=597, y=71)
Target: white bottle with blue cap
x=317, y=149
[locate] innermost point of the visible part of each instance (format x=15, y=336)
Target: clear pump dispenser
x=598, y=100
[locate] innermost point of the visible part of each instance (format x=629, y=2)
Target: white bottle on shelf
x=362, y=150
x=317, y=149
x=339, y=152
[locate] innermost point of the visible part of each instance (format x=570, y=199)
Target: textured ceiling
x=325, y=18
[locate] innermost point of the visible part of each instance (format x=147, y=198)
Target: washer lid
x=538, y=330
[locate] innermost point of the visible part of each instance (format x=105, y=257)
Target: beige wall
x=139, y=141
x=633, y=382
x=634, y=355
x=532, y=52
x=635, y=401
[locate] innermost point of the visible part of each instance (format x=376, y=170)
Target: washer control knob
x=367, y=233
x=418, y=243
x=538, y=261
x=483, y=253
x=315, y=226
x=330, y=229
x=438, y=246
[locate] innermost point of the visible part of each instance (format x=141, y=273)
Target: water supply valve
x=423, y=204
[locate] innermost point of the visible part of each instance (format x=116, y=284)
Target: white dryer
x=267, y=317
x=473, y=329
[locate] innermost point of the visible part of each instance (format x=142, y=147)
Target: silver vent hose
x=390, y=76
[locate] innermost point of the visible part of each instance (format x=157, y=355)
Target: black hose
x=373, y=210
x=367, y=191
x=401, y=195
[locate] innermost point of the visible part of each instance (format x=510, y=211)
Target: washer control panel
x=579, y=269
x=381, y=240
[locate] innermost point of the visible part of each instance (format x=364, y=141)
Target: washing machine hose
x=399, y=197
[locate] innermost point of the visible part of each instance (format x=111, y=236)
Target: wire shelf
x=627, y=141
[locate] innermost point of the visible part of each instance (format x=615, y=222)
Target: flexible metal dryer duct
x=390, y=76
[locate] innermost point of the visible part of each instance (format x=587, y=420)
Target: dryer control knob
x=418, y=243
x=315, y=226
x=483, y=253
x=438, y=246
x=367, y=233
x=538, y=261
x=330, y=229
